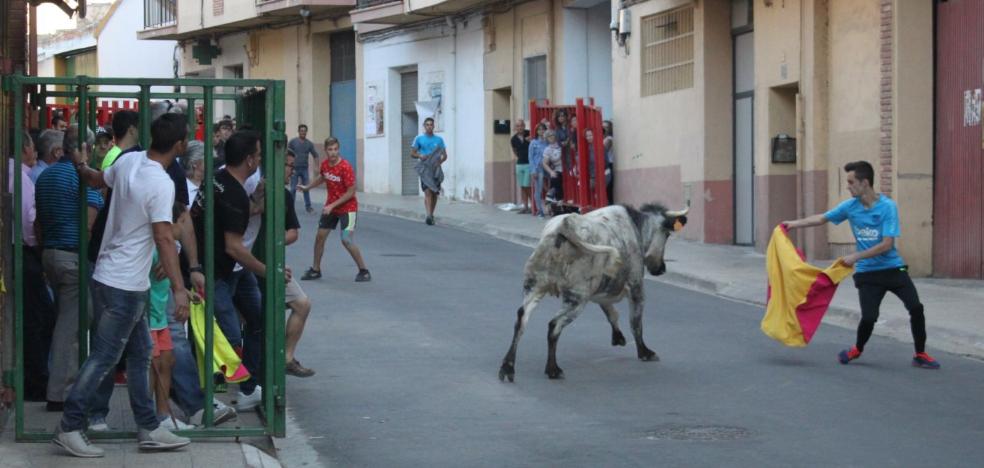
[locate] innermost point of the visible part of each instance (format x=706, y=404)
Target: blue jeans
x=185, y=388
x=538, y=177
x=300, y=175
x=122, y=325
x=241, y=293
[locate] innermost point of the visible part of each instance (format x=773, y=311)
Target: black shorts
x=331, y=221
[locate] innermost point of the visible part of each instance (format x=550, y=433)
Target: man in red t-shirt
x=340, y=208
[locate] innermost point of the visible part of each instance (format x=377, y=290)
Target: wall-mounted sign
x=972, y=107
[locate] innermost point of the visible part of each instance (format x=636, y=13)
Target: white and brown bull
x=598, y=257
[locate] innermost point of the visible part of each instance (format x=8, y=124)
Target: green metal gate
x=263, y=107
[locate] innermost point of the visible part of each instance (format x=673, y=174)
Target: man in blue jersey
x=430, y=150
x=56, y=197
x=878, y=266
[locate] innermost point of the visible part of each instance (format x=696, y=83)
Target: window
x=668, y=51
x=536, y=81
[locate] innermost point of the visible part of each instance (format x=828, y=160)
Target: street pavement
x=407, y=366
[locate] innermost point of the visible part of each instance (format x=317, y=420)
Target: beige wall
x=854, y=106
x=912, y=144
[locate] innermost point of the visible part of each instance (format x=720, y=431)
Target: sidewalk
x=225, y=452
x=204, y=453
x=736, y=273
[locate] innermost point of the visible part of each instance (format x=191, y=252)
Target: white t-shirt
x=143, y=194
x=253, y=228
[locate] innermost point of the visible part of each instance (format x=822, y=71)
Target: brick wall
x=884, y=166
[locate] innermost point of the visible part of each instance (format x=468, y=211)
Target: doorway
x=342, y=102
x=743, y=95
x=408, y=129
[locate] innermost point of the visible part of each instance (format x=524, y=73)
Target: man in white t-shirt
x=139, y=219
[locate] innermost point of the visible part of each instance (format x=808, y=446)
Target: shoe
x=220, y=414
x=160, y=439
x=923, y=360
x=362, y=277
x=311, y=274
x=524, y=211
x=247, y=402
x=540, y=215
x=174, y=424
x=97, y=424
x=848, y=355
x=429, y=221
x=119, y=379
x=297, y=370
x=77, y=444
x=54, y=406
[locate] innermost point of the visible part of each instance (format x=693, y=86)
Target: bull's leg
x=618, y=339
x=637, y=301
x=508, y=368
x=573, y=306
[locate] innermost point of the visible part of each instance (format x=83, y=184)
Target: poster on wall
x=434, y=97
x=972, y=107
x=374, y=109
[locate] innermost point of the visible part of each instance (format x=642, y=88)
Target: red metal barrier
x=584, y=188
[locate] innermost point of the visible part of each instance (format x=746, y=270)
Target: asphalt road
x=407, y=374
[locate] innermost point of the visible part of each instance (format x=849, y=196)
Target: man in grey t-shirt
x=302, y=147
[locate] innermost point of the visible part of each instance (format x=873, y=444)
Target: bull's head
x=657, y=230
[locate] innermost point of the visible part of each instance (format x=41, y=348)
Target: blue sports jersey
x=870, y=226
x=426, y=145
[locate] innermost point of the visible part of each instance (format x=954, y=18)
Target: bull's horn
x=677, y=214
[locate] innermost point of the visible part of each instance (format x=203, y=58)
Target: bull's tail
x=567, y=232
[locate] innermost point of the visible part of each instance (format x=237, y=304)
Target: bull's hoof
x=507, y=371
x=555, y=373
x=648, y=355
x=618, y=339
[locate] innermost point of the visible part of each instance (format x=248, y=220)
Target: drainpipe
x=454, y=111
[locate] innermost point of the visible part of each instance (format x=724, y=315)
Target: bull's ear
x=675, y=224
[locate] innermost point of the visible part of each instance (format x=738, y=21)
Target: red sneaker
x=848, y=355
x=923, y=360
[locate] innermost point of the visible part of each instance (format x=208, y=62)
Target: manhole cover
x=398, y=255
x=698, y=433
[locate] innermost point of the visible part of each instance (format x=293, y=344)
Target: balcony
x=300, y=8
x=191, y=19
x=396, y=12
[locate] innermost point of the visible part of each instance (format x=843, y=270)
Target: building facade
x=747, y=110
x=471, y=65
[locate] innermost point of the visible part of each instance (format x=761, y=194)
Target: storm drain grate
x=698, y=433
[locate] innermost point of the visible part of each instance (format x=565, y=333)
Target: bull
x=598, y=257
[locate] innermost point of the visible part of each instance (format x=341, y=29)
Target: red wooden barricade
x=584, y=188
x=104, y=111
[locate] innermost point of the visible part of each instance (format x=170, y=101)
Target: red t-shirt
x=338, y=179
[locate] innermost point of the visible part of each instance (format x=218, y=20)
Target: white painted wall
x=233, y=54
x=458, y=56
x=122, y=55
x=587, y=55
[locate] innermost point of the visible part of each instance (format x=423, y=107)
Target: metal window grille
x=158, y=13
x=536, y=79
x=342, y=47
x=667, y=51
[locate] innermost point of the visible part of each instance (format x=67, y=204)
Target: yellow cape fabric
x=223, y=356
x=790, y=280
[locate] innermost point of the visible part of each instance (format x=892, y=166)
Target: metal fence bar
x=83, y=127
x=209, y=269
x=18, y=260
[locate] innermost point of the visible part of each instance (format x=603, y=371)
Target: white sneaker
x=77, y=444
x=98, y=425
x=247, y=402
x=174, y=424
x=160, y=439
x=220, y=414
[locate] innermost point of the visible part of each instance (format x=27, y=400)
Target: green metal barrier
x=264, y=109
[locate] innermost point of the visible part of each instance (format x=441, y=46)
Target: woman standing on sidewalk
x=874, y=221
x=537, y=146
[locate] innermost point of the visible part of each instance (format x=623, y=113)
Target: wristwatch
x=197, y=269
